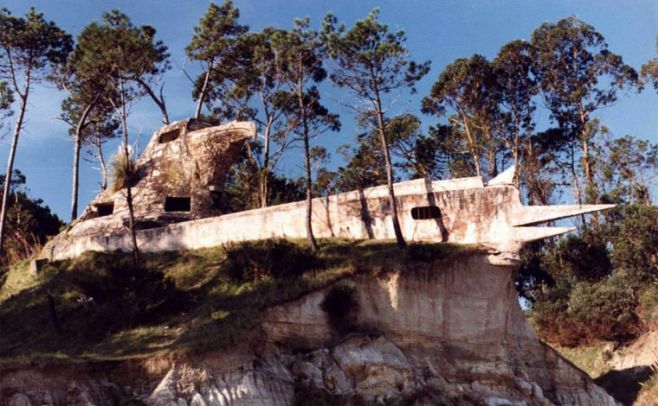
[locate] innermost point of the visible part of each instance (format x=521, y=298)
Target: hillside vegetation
x=99, y=307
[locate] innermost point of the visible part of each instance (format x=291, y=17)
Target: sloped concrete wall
x=470, y=213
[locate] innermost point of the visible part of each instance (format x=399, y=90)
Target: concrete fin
x=504, y=178
x=531, y=215
x=527, y=234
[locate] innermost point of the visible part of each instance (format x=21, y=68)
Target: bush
x=606, y=309
x=341, y=306
x=586, y=311
x=258, y=260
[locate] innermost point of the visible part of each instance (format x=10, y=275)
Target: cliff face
x=450, y=332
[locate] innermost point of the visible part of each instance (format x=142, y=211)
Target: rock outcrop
x=449, y=332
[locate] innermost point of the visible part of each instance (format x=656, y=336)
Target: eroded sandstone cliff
x=448, y=332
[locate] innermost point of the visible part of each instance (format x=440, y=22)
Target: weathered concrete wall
x=469, y=213
x=187, y=166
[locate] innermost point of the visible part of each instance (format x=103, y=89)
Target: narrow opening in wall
x=169, y=136
x=104, y=209
x=425, y=213
x=177, y=204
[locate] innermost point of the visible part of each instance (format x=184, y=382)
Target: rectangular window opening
x=169, y=136
x=104, y=209
x=425, y=213
x=177, y=204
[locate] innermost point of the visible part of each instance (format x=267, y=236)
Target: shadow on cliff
x=625, y=385
x=77, y=306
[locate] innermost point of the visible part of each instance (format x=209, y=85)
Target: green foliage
x=369, y=58
x=259, y=260
x=216, y=33
x=574, y=314
x=466, y=93
x=213, y=44
x=32, y=49
x=29, y=222
x=633, y=232
x=599, y=285
x=121, y=61
x=625, y=166
x=372, y=62
x=341, y=305
x=119, y=50
x=583, y=257
x=241, y=186
x=649, y=71
x=6, y=100
x=606, y=310
x=32, y=43
x=137, y=296
x=590, y=358
x=573, y=63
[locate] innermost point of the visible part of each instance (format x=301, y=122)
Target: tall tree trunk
x=265, y=170
x=389, y=173
x=159, y=101
x=204, y=90
x=76, y=165
x=76, y=160
x=128, y=169
x=471, y=145
x=307, y=166
x=101, y=162
x=587, y=166
x=10, y=162
x=493, y=165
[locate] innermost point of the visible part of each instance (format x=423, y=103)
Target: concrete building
x=182, y=172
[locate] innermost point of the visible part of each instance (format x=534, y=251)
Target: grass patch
x=648, y=301
x=590, y=358
x=97, y=307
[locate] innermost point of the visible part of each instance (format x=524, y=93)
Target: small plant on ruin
x=124, y=170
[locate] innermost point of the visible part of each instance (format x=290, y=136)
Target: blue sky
x=440, y=31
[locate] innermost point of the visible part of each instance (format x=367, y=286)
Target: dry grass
x=590, y=358
x=124, y=169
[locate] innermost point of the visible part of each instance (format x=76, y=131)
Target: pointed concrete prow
x=531, y=215
x=523, y=235
x=504, y=178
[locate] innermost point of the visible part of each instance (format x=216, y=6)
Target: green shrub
x=341, y=306
x=569, y=315
x=257, y=260
x=606, y=309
